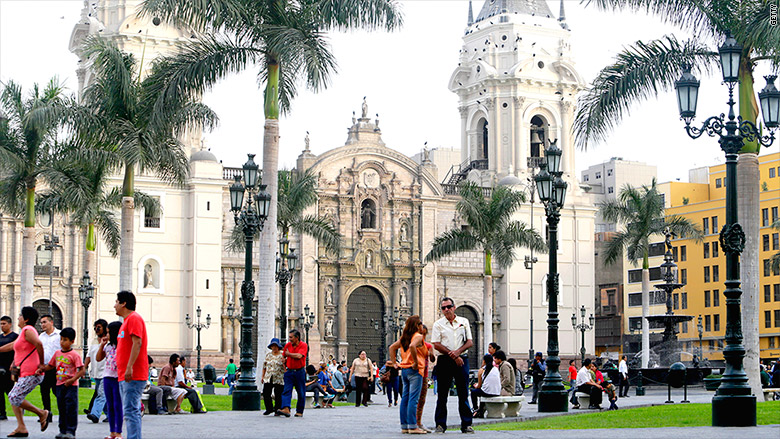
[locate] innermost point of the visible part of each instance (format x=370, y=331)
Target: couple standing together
x=451, y=336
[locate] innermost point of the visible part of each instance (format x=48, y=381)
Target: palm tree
x=287, y=40
x=642, y=70
x=641, y=212
x=77, y=187
x=490, y=230
x=27, y=145
x=119, y=116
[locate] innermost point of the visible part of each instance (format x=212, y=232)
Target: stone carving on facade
x=368, y=214
x=329, y=295
x=403, y=233
x=329, y=327
x=148, y=276
x=369, y=260
x=370, y=178
x=402, y=302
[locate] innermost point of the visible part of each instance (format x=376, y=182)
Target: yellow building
x=702, y=266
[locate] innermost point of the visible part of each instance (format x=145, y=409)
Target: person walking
x=538, y=369
x=295, y=352
x=623, y=371
x=424, y=389
x=7, y=337
x=573, y=383
x=28, y=355
x=413, y=354
x=107, y=354
x=388, y=375
x=50, y=338
x=67, y=365
x=488, y=385
x=132, y=361
x=230, y=371
x=451, y=336
x=96, y=369
x=272, y=377
x=363, y=371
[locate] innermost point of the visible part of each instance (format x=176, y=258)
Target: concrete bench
x=503, y=406
x=583, y=399
x=171, y=403
x=771, y=393
x=310, y=399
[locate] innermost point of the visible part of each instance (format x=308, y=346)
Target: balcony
x=230, y=173
x=535, y=162
x=47, y=270
x=454, y=189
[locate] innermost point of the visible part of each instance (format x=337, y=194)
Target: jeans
x=447, y=371
x=99, y=403
x=231, y=378
x=68, y=405
x=113, y=404
x=294, y=378
x=573, y=390
x=391, y=388
x=412, y=381
x=131, y=392
x=275, y=403
x=537, y=388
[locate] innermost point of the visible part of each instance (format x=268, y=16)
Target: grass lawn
x=677, y=415
x=213, y=403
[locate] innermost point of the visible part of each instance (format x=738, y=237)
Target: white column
x=565, y=141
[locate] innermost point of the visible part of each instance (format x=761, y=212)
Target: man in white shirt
x=585, y=384
x=98, y=402
x=451, y=336
x=623, y=371
x=50, y=338
x=181, y=382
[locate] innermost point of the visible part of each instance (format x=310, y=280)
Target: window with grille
x=706, y=225
x=714, y=220
x=684, y=276
x=767, y=319
x=715, y=297
x=706, y=248
x=715, y=273
x=683, y=253
x=768, y=293
x=777, y=292
x=716, y=322
x=708, y=323
x=715, y=249
x=707, y=303
x=765, y=217
x=706, y=274
x=684, y=300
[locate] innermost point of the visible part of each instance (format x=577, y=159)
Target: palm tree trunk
x=747, y=212
x=28, y=248
x=487, y=312
x=127, y=227
x=645, y=313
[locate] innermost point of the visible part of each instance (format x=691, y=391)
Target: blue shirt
x=338, y=380
x=323, y=378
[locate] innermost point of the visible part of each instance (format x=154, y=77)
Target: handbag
x=16, y=370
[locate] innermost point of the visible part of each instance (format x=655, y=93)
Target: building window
x=610, y=190
x=775, y=241
x=684, y=300
x=656, y=249
x=676, y=301
x=368, y=214
x=715, y=297
x=711, y=344
x=706, y=274
x=706, y=225
x=657, y=297
x=636, y=275
x=707, y=299
x=609, y=172
x=598, y=175
x=777, y=292
x=706, y=250
x=585, y=177
x=716, y=322
x=774, y=214
x=718, y=182
x=777, y=318
x=765, y=217
x=674, y=254
x=634, y=323
x=765, y=242
x=767, y=319
x=715, y=249
x=768, y=293
x=685, y=327
x=683, y=253
x=714, y=220
x=771, y=342
x=715, y=273
x=771, y=172
x=708, y=323
x=684, y=276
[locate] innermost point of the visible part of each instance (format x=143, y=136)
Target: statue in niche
x=329, y=295
x=369, y=259
x=404, y=232
x=329, y=327
x=402, y=299
x=367, y=215
x=148, y=276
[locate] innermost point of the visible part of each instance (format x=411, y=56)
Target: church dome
x=203, y=156
x=527, y=7
x=510, y=180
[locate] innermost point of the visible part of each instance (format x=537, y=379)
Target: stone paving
x=380, y=421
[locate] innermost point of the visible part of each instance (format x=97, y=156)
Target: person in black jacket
x=538, y=370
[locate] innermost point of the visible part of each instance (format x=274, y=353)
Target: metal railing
x=454, y=189
x=151, y=223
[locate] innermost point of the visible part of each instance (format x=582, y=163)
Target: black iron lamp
x=730, y=57
x=769, y=98
x=198, y=326
x=86, y=294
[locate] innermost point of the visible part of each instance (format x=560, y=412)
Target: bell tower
x=516, y=85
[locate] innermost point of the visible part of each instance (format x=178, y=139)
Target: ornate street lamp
x=286, y=264
x=552, y=193
x=250, y=216
x=306, y=321
x=700, y=328
x=231, y=316
x=198, y=326
x=86, y=293
x=733, y=403
x=582, y=327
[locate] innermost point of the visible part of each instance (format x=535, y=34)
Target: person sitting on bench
x=585, y=384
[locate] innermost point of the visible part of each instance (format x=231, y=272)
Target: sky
x=404, y=76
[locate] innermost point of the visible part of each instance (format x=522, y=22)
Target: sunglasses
x=446, y=307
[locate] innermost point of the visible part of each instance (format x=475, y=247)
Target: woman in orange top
x=413, y=353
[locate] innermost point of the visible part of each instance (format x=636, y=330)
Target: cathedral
x=516, y=85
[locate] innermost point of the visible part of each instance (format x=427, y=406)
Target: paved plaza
x=380, y=421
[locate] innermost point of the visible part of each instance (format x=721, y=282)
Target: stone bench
x=771, y=393
x=310, y=400
x=583, y=399
x=171, y=403
x=503, y=406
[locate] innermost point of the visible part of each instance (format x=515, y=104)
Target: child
x=69, y=368
x=609, y=389
x=107, y=350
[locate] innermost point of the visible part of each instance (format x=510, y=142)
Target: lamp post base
x=553, y=401
x=734, y=411
x=85, y=383
x=246, y=400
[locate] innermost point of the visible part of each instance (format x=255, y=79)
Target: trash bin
x=209, y=374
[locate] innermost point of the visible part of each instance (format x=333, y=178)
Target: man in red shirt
x=132, y=361
x=295, y=352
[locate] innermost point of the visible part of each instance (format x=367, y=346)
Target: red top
x=430, y=349
x=572, y=373
x=296, y=363
x=133, y=325
x=66, y=365
x=22, y=348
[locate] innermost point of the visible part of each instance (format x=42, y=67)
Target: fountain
x=669, y=349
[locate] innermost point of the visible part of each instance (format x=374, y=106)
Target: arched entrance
x=471, y=315
x=365, y=312
x=42, y=306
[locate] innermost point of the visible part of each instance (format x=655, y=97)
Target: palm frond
x=321, y=229
x=692, y=15
x=200, y=15
x=452, y=241
x=354, y=14
x=615, y=246
x=516, y=234
x=108, y=227
x=150, y=204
